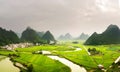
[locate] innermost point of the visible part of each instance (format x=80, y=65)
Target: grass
x=107, y=57
x=46, y=47
x=6, y=52
x=41, y=63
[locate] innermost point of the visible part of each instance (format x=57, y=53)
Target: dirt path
x=86, y=50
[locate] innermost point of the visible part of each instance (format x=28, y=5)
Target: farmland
x=109, y=54
x=41, y=63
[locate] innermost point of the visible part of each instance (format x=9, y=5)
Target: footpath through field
x=86, y=50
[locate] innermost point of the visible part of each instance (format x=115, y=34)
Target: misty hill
x=61, y=37
x=19, y=35
x=83, y=36
x=110, y=36
x=8, y=37
x=66, y=37
x=30, y=35
x=40, y=33
x=49, y=37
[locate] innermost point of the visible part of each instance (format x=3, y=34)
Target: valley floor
x=35, y=61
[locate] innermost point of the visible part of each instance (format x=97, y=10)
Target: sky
x=59, y=16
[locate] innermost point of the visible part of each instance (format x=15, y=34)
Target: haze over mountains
x=83, y=36
x=68, y=36
x=59, y=16
x=110, y=36
x=65, y=37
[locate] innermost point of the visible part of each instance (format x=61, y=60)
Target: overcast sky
x=59, y=16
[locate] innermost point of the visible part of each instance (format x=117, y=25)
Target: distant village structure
x=20, y=45
x=29, y=37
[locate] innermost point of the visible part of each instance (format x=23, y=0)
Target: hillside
x=7, y=37
x=30, y=35
x=48, y=37
x=110, y=36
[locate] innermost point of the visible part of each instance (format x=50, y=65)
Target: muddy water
x=6, y=65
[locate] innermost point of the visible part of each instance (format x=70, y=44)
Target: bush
x=93, y=51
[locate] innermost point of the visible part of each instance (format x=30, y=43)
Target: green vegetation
x=93, y=51
x=101, y=54
x=35, y=62
x=30, y=35
x=7, y=37
x=48, y=37
x=6, y=52
x=110, y=36
x=41, y=63
x=46, y=47
x=91, y=62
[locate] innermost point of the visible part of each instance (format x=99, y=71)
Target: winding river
x=7, y=66
x=74, y=67
x=71, y=65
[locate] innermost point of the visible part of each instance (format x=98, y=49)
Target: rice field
x=41, y=63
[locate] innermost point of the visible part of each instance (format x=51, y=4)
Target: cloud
x=108, y=5
x=59, y=16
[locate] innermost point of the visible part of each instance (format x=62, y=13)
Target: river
x=6, y=65
x=73, y=67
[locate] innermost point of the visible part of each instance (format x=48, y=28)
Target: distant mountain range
x=65, y=37
x=83, y=36
x=110, y=36
x=41, y=33
x=68, y=36
x=28, y=35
